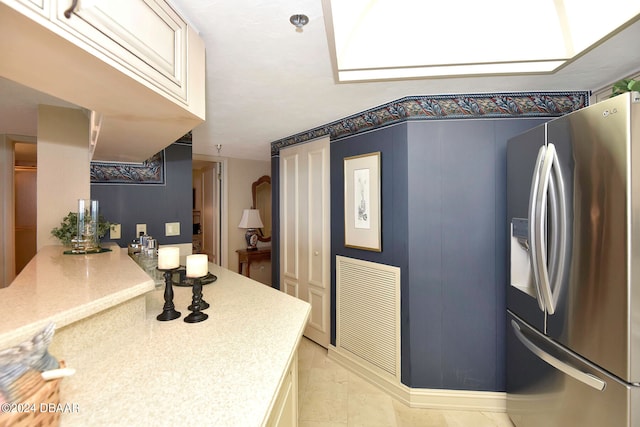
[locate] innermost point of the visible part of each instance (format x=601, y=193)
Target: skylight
x=398, y=39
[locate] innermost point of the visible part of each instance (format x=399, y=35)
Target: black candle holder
x=197, y=304
x=168, y=312
x=203, y=304
x=187, y=282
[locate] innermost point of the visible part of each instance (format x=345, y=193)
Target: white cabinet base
x=285, y=410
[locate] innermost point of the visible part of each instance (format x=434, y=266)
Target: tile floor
x=330, y=395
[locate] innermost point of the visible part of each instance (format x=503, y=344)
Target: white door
x=305, y=232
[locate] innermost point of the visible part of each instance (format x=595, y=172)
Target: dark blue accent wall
x=391, y=142
x=154, y=205
x=457, y=252
x=443, y=190
x=443, y=224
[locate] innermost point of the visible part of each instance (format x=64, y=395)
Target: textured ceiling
x=265, y=81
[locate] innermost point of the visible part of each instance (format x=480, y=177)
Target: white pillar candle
x=197, y=265
x=168, y=257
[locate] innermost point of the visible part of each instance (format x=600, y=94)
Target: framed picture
x=362, y=202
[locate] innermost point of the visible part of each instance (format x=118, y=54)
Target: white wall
x=63, y=166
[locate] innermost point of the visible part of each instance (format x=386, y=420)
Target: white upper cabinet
x=147, y=37
x=39, y=6
x=135, y=63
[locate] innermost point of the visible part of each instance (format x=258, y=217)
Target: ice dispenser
x=521, y=276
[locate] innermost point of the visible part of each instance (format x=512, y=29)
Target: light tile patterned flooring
x=330, y=395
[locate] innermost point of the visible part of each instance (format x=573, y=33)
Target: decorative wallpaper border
x=149, y=172
x=439, y=107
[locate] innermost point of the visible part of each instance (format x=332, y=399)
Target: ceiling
x=265, y=81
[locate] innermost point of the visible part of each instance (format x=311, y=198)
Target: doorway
x=25, y=172
x=18, y=172
x=208, y=217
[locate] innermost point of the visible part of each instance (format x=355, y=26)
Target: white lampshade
x=250, y=219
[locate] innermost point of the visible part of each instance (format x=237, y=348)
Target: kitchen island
x=63, y=289
x=237, y=368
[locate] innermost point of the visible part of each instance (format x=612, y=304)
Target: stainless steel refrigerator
x=573, y=301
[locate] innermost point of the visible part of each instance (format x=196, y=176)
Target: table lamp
x=251, y=221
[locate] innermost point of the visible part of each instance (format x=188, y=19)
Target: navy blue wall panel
x=443, y=190
x=457, y=256
x=455, y=220
x=154, y=205
x=425, y=246
x=391, y=142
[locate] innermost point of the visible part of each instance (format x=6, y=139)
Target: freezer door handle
x=583, y=377
x=534, y=239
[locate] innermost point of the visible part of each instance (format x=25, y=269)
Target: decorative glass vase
x=87, y=239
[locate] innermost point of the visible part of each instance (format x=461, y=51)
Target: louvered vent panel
x=368, y=312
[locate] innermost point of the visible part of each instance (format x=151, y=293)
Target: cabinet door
x=146, y=37
x=285, y=410
x=41, y=7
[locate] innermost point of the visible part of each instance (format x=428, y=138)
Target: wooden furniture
x=247, y=257
x=197, y=233
x=261, y=193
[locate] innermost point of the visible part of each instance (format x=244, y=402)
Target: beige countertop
x=133, y=370
x=224, y=371
x=63, y=289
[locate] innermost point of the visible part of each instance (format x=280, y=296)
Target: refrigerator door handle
x=554, y=219
x=552, y=185
x=559, y=233
x=541, y=272
x=533, y=219
x=583, y=377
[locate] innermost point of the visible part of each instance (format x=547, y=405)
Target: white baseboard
x=488, y=401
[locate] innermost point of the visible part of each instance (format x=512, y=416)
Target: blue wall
x=154, y=205
x=392, y=144
x=457, y=253
x=443, y=190
x=443, y=185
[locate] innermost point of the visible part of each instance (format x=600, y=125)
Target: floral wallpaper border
x=439, y=107
x=149, y=172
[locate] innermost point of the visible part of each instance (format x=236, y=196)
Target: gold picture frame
x=362, y=202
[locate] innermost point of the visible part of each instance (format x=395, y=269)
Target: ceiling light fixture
x=366, y=45
x=299, y=21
